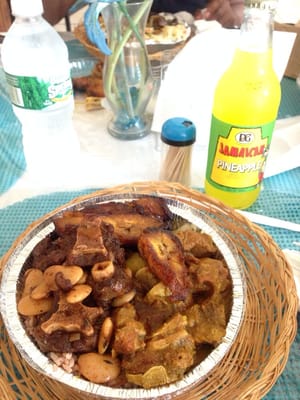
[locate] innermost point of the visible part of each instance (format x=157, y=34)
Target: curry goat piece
x=125, y=295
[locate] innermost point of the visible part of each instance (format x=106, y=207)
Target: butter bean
x=29, y=307
x=125, y=298
x=73, y=273
x=83, y=278
x=105, y=335
x=78, y=293
x=41, y=291
x=33, y=277
x=98, y=368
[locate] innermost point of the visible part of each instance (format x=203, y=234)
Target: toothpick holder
x=177, y=136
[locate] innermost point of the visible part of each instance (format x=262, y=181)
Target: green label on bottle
x=237, y=155
x=36, y=94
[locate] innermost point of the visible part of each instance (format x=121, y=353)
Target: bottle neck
x=29, y=20
x=256, y=31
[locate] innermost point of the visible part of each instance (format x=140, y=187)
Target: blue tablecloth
x=12, y=161
x=283, y=189
x=290, y=100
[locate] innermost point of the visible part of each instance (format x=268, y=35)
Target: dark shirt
x=173, y=6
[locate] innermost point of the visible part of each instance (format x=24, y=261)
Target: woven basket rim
x=265, y=358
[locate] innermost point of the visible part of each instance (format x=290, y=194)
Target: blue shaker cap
x=178, y=132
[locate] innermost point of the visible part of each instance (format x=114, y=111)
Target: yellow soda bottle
x=245, y=108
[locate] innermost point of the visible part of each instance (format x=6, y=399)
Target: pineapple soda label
x=237, y=155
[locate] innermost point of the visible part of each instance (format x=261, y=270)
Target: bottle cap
x=28, y=8
x=178, y=132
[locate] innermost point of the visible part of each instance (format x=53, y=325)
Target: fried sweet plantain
x=128, y=219
x=164, y=254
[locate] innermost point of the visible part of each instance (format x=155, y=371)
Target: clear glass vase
x=127, y=71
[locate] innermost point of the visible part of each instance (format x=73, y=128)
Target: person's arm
x=55, y=10
x=228, y=12
x=5, y=16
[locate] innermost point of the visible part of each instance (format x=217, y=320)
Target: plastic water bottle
x=37, y=69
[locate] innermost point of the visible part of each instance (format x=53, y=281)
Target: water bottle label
x=36, y=94
x=237, y=155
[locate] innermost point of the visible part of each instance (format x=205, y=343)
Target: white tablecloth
x=105, y=161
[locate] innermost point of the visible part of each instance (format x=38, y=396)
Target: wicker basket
x=80, y=34
x=261, y=349
x=154, y=51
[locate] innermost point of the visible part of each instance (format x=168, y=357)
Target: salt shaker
x=177, y=136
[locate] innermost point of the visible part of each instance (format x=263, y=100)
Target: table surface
x=279, y=198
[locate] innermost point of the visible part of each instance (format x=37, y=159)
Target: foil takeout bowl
x=41, y=363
